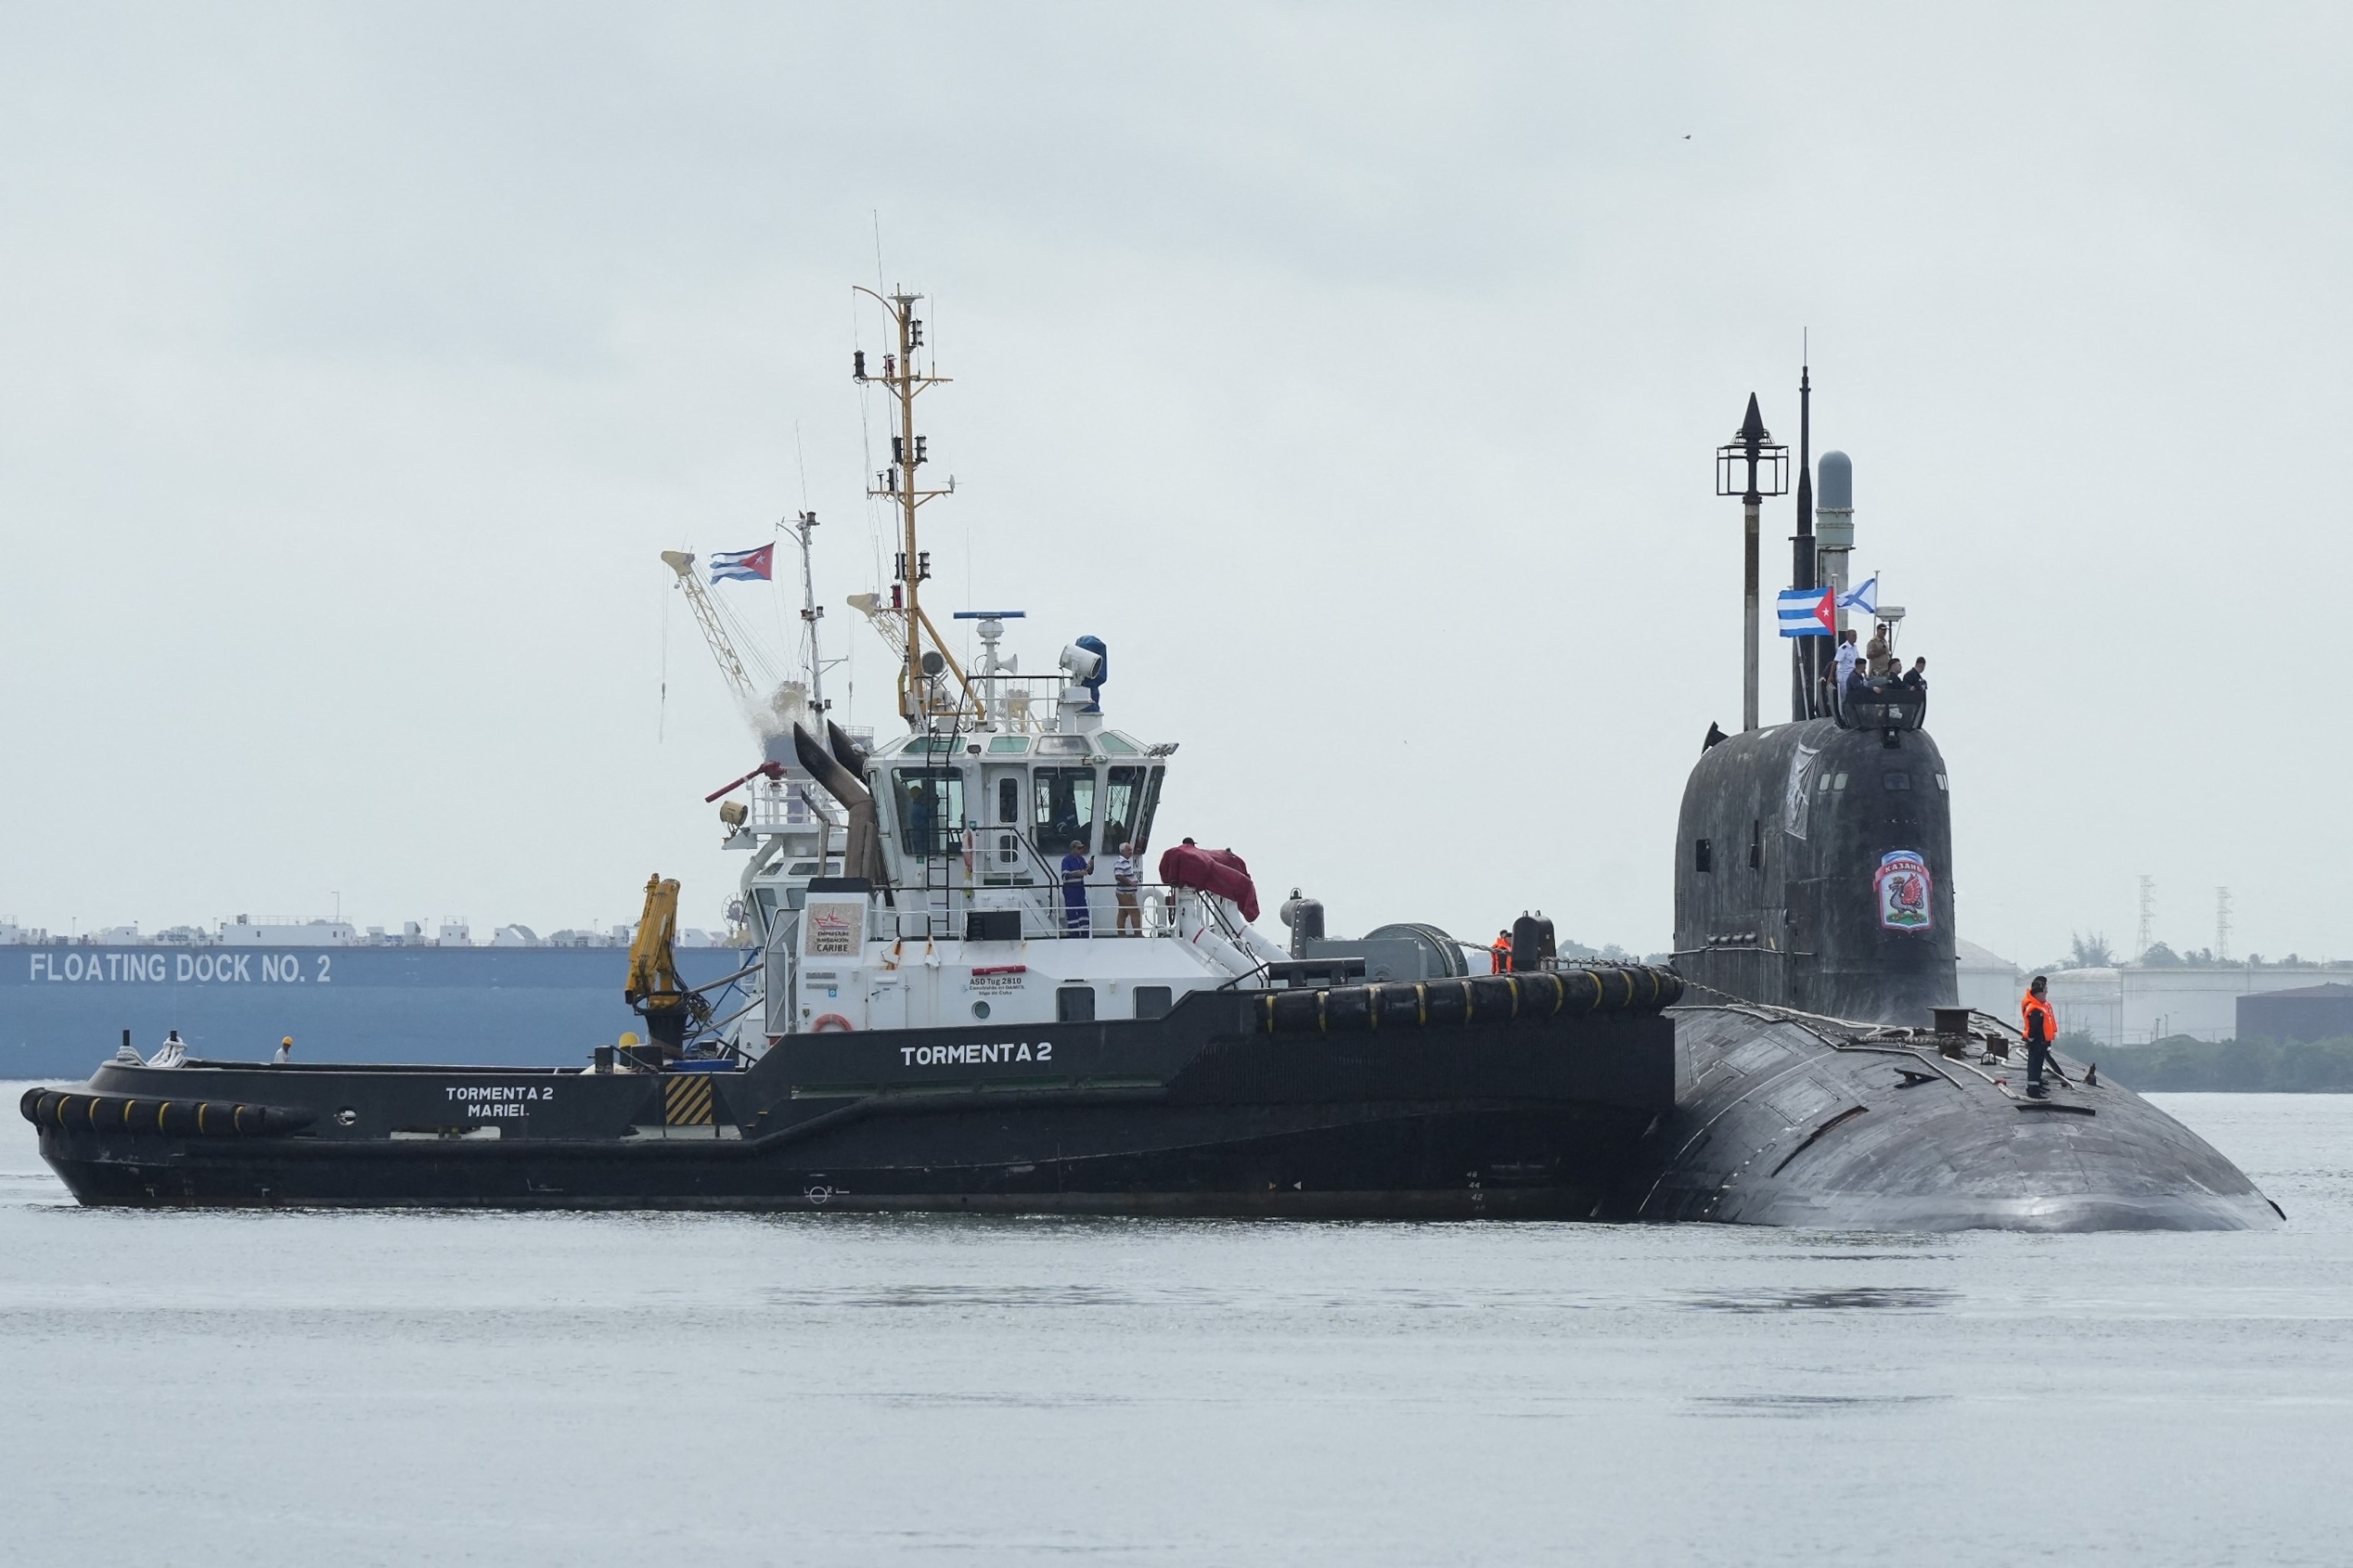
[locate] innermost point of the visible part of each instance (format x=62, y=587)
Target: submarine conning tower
x=1813, y=860
x=1813, y=869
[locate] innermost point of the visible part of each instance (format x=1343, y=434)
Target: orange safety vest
x=2034, y=1007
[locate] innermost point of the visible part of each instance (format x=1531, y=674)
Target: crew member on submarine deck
x=2041, y=1028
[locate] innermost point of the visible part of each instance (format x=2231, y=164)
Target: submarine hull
x=1793, y=1120
x=1522, y=1096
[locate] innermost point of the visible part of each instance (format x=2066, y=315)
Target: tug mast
x=903, y=620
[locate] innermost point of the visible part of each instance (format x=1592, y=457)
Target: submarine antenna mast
x=1737, y=467
x=1803, y=652
x=918, y=699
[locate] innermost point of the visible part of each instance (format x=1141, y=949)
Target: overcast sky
x=1353, y=371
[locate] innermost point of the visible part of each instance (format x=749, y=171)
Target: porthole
x=347, y=1116
x=980, y=1009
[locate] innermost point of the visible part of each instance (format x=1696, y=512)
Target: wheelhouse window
x=1062, y=744
x=929, y=804
x=1143, y=814
x=1062, y=807
x=1002, y=744
x=1115, y=743
x=1074, y=1004
x=1123, y=800
x=1008, y=799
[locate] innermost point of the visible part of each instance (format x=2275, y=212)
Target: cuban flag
x=1865, y=598
x=742, y=566
x=1809, y=612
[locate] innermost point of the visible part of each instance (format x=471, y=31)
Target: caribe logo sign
x=1902, y=886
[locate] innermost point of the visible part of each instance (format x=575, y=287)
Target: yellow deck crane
x=654, y=988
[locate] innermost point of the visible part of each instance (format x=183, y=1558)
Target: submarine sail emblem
x=1902, y=883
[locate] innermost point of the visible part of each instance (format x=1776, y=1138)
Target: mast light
x=1753, y=465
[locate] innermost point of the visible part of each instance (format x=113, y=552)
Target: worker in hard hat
x=2040, y=1025
x=285, y=1052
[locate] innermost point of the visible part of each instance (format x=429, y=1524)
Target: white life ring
x=831, y=1023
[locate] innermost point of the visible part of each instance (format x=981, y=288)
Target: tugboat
x=967, y=997
x=1833, y=1080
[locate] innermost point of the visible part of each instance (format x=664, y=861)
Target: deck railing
x=929, y=914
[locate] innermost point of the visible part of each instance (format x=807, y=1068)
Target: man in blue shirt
x=1075, y=868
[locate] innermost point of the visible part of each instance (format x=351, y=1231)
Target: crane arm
x=653, y=982
x=706, y=616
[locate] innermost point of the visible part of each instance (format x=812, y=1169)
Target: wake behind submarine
x=1829, y=1076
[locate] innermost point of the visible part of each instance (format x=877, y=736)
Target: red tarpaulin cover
x=1220, y=871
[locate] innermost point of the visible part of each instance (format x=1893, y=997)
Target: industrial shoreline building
x=2136, y=1004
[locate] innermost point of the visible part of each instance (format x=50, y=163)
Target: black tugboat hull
x=1221, y=1108
x=1366, y=1161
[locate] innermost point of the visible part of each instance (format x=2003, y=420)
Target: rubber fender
x=1447, y=1003
x=1295, y=1011
x=1479, y=1001
x=1493, y=998
x=157, y=1118
x=1350, y=1008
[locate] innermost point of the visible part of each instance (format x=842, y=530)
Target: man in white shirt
x=1125, y=879
x=1846, y=660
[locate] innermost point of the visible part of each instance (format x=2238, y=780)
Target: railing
x=1010, y=704
x=1882, y=703
x=933, y=913
x=788, y=803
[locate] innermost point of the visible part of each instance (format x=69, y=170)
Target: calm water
x=365, y=1389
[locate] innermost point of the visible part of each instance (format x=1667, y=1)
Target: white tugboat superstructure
x=963, y=911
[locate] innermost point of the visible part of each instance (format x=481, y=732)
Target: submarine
x=1829, y=1076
